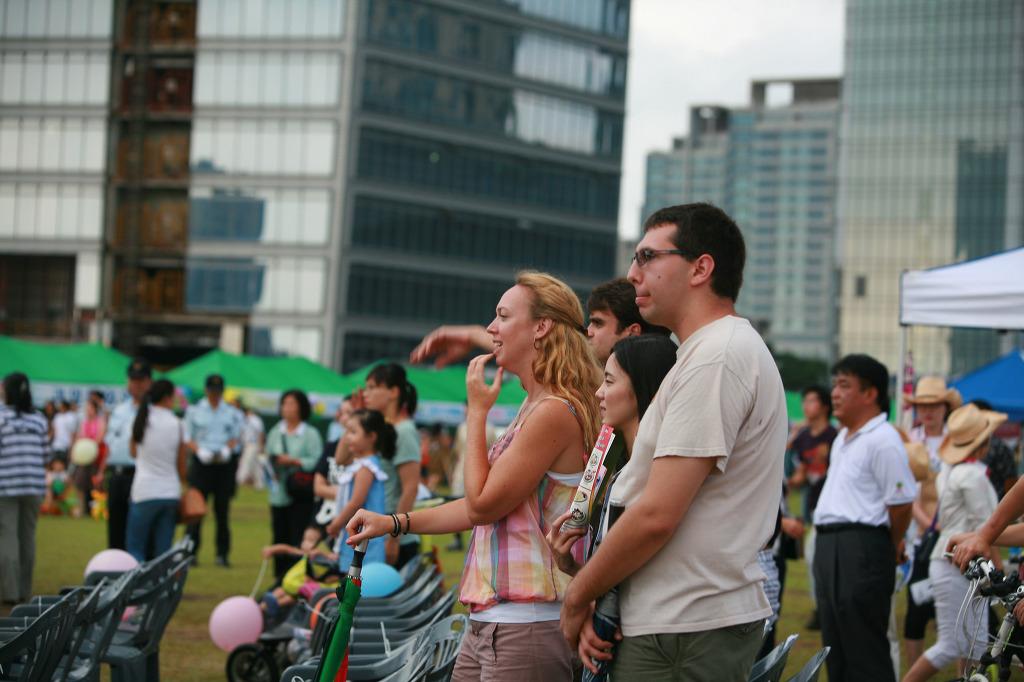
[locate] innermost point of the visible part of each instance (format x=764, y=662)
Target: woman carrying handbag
x=294, y=448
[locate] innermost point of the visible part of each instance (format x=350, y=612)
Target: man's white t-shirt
x=724, y=399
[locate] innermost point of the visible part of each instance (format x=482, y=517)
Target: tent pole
x=900, y=383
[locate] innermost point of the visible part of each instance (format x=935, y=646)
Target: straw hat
x=968, y=427
x=919, y=463
x=933, y=390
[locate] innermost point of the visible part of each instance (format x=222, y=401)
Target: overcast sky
x=685, y=52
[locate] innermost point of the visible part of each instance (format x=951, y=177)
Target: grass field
x=65, y=545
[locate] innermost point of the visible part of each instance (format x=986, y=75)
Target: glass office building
x=487, y=137
x=330, y=178
x=771, y=166
x=54, y=92
x=932, y=162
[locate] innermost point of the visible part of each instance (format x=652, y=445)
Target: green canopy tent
x=259, y=381
x=65, y=371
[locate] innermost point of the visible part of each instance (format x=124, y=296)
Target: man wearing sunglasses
x=702, y=487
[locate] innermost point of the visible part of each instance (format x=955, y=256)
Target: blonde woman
x=515, y=491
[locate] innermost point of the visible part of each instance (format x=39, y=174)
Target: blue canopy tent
x=1000, y=382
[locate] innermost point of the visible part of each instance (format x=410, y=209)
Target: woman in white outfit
x=966, y=500
x=159, y=451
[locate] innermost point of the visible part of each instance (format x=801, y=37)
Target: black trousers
x=119, y=491
x=287, y=525
x=854, y=574
x=217, y=480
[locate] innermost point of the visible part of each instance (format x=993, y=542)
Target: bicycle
x=987, y=582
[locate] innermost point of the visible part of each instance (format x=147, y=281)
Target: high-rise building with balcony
x=330, y=178
x=931, y=162
x=771, y=166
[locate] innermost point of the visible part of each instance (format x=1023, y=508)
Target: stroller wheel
x=252, y=663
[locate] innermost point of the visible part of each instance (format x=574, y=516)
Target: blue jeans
x=151, y=523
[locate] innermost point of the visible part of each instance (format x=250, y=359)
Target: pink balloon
x=112, y=560
x=235, y=621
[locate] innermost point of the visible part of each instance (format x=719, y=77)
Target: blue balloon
x=380, y=580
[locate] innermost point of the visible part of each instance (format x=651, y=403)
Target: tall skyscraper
x=770, y=165
x=330, y=178
x=931, y=162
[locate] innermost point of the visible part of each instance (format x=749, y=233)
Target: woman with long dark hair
x=24, y=450
x=294, y=448
x=159, y=451
x=514, y=491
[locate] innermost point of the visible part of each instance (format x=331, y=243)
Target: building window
x=271, y=19
x=263, y=147
x=479, y=238
x=258, y=284
x=269, y=216
x=502, y=112
x=399, y=159
x=860, y=286
x=521, y=52
x=56, y=18
x=267, y=78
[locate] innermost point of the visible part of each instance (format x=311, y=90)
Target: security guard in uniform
x=213, y=431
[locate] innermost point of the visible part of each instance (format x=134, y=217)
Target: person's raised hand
x=561, y=543
x=373, y=525
x=480, y=395
x=450, y=343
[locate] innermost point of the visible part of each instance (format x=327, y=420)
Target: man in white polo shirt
x=861, y=517
x=701, y=489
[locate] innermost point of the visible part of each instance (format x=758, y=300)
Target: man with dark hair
x=613, y=316
x=213, y=431
x=810, y=444
x=862, y=514
x=119, y=468
x=702, y=487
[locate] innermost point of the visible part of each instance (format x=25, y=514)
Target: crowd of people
x=692, y=530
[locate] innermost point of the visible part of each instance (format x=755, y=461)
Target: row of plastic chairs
x=769, y=668
x=68, y=636
x=406, y=637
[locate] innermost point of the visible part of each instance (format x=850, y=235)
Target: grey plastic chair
x=769, y=668
x=443, y=643
x=135, y=654
x=812, y=669
x=34, y=654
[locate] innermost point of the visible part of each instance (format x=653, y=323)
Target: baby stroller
x=283, y=640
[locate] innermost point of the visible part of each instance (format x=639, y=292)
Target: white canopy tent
x=986, y=293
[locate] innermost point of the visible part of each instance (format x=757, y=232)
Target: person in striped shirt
x=24, y=452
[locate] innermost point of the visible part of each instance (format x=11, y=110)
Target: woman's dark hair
x=393, y=375
x=161, y=389
x=18, y=393
x=645, y=359
x=301, y=398
x=372, y=421
x=823, y=394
